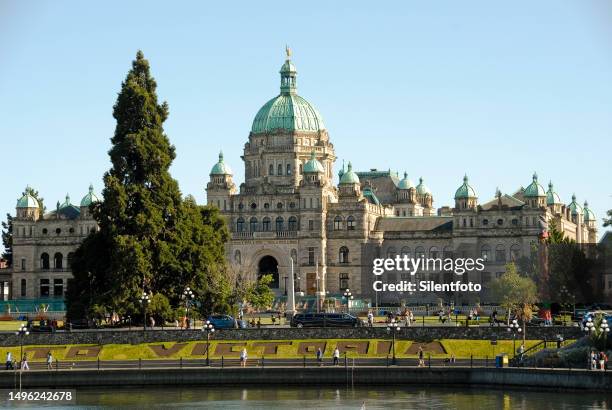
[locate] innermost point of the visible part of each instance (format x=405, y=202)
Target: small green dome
x=465, y=190
x=349, y=177
x=534, y=189
x=288, y=111
x=220, y=168
x=574, y=207
x=66, y=202
x=89, y=198
x=405, y=183
x=422, y=189
x=27, y=200
x=551, y=196
x=313, y=165
x=588, y=214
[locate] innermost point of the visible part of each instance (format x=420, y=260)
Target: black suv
x=325, y=320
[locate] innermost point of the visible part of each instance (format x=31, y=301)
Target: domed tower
x=534, y=194
x=424, y=198
x=465, y=196
x=285, y=132
x=590, y=224
x=28, y=207
x=86, y=202
x=406, y=192
x=575, y=210
x=221, y=186
x=313, y=171
x=553, y=201
x=350, y=186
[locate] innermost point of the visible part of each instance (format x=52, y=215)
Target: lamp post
x=393, y=327
x=208, y=328
x=348, y=296
x=188, y=297
x=144, y=301
x=22, y=332
x=515, y=328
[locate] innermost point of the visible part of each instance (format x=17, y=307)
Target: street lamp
x=589, y=326
x=22, y=332
x=188, y=297
x=393, y=327
x=348, y=296
x=515, y=328
x=144, y=301
x=208, y=328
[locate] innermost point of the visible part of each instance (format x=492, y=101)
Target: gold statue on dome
x=288, y=51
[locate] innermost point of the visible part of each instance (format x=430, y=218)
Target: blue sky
x=438, y=89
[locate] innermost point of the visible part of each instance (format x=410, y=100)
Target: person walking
x=370, y=319
x=602, y=360
x=521, y=353
x=593, y=360
x=336, y=356
x=319, y=355
x=243, y=357
x=421, y=357
x=49, y=360
x=24, y=362
x=9, y=361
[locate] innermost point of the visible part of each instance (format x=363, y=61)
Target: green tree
x=517, y=294
x=259, y=294
x=7, y=239
x=149, y=237
x=160, y=308
x=608, y=221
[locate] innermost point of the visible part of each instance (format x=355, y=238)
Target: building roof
x=506, y=200
x=422, y=189
x=574, y=207
x=350, y=176
x=220, y=168
x=27, y=200
x=551, y=196
x=405, y=183
x=588, y=214
x=370, y=196
x=313, y=165
x=465, y=190
x=535, y=189
x=90, y=197
x=415, y=223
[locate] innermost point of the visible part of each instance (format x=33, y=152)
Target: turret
x=28, y=206
x=424, y=198
x=465, y=196
x=534, y=194
x=350, y=185
x=221, y=185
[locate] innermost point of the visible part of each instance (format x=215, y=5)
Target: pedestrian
x=421, y=357
x=602, y=360
x=49, y=360
x=521, y=352
x=319, y=356
x=411, y=316
x=370, y=319
x=593, y=360
x=9, y=360
x=24, y=362
x=407, y=318
x=336, y=356
x=258, y=323
x=243, y=357
x=494, y=318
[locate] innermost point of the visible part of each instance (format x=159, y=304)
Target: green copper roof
x=422, y=189
x=66, y=202
x=465, y=190
x=370, y=196
x=551, y=196
x=349, y=177
x=534, y=189
x=588, y=214
x=27, y=201
x=574, y=207
x=313, y=165
x=90, y=197
x=405, y=183
x=288, y=111
x=220, y=167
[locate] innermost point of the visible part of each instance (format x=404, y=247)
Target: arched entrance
x=268, y=265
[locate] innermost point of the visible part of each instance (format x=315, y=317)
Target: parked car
x=222, y=321
x=325, y=320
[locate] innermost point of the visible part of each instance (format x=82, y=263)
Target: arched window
x=69, y=259
x=253, y=224
x=419, y=252
x=288, y=169
x=271, y=170
x=391, y=252
x=343, y=255
x=265, y=225
x=405, y=251
x=337, y=223
x=433, y=252
x=500, y=253
x=279, y=223
x=240, y=225
x=58, y=261
x=293, y=223
x=280, y=170
x=350, y=223
x=485, y=253
x=44, y=261
x=515, y=252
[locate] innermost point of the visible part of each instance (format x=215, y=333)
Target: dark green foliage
x=149, y=237
x=7, y=239
x=608, y=221
x=259, y=294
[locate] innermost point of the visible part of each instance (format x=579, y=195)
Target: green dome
x=588, y=214
x=405, y=183
x=288, y=111
x=551, y=196
x=349, y=177
x=90, y=197
x=313, y=165
x=534, y=189
x=66, y=202
x=574, y=207
x=465, y=190
x=220, y=168
x=27, y=200
x=422, y=189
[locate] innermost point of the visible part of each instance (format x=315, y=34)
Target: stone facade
x=289, y=214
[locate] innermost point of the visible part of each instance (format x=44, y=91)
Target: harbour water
x=369, y=398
